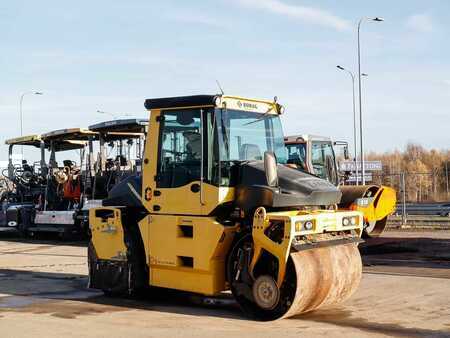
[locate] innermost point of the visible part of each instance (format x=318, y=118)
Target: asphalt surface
x=405, y=292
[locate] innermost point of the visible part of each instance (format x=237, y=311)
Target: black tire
x=245, y=301
x=98, y=278
x=132, y=280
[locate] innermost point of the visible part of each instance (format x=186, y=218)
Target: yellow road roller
x=215, y=209
x=315, y=154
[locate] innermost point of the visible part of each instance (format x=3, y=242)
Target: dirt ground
x=405, y=292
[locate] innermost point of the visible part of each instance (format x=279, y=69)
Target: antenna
x=220, y=87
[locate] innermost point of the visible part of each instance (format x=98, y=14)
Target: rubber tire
x=247, y=306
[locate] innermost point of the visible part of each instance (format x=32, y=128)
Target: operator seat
x=296, y=160
x=250, y=151
x=194, y=145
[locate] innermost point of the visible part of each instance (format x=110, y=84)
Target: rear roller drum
x=314, y=278
x=374, y=228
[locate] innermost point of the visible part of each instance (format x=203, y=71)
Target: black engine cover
x=295, y=188
x=126, y=193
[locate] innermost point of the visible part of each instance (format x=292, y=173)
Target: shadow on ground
x=345, y=318
x=45, y=289
x=66, y=296
x=44, y=238
x=422, y=251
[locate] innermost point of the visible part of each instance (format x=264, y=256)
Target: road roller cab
x=217, y=209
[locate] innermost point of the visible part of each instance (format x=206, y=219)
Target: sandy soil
x=405, y=292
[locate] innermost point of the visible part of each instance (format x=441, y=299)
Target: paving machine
x=24, y=184
x=114, y=154
x=64, y=183
x=215, y=211
x=316, y=155
x=119, y=154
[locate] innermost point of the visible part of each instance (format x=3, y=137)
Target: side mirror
x=346, y=154
x=270, y=167
x=331, y=170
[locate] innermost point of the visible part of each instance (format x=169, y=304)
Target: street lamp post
x=21, y=103
x=21, y=113
x=107, y=113
x=355, y=137
x=377, y=19
x=354, y=121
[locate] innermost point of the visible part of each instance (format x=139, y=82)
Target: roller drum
x=315, y=278
x=324, y=277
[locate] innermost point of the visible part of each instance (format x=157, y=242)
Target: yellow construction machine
x=216, y=209
x=316, y=155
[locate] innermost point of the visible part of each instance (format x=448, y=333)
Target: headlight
x=308, y=225
x=353, y=220
x=363, y=201
x=304, y=226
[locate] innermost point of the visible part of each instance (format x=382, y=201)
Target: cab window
x=179, y=159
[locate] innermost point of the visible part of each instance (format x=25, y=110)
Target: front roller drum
x=314, y=279
x=324, y=277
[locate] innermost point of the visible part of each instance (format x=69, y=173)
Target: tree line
x=426, y=172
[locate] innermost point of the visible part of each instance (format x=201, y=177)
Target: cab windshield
x=245, y=136
x=297, y=154
x=323, y=159
x=209, y=144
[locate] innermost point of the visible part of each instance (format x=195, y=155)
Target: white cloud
x=303, y=13
x=420, y=22
x=190, y=17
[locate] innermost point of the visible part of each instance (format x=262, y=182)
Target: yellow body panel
x=34, y=140
x=186, y=253
x=180, y=200
x=150, y=163
x=380, y=206
x=107, y=233
x=246, y=104
x=322, y=220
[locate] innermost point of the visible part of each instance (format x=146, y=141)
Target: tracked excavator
x=216, y=209
x=316, y=155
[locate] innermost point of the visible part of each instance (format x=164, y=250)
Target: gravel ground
x=405, y=292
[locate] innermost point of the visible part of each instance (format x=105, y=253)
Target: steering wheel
x=24, y=176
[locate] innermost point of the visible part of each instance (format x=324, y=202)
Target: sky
x=112, y=55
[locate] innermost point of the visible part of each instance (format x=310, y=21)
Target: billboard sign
x=368, y=166
x=352, y=178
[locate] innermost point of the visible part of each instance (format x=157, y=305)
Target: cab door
x=173, y=162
